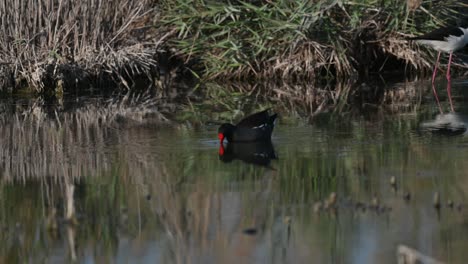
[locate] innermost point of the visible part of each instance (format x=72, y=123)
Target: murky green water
x=153, y=194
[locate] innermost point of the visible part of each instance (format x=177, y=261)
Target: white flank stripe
x=260, y=126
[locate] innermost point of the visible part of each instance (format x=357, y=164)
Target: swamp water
x=146, y=193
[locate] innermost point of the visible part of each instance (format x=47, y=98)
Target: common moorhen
x=257, y=127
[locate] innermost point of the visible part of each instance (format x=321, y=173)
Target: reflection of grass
x=197, y=203
x=228, y=102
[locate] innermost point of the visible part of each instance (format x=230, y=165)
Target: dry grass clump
x=101, y=38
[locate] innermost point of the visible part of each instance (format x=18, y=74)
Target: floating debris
x=375, y=202
x=359, y=205
x=317, y=207
x=436, y=200
x=380, y=209
x=332, y=199
x=250, y=231
x=393, y=182
x=450, y=204
x=407, y=196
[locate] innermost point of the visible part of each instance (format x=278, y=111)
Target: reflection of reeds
x=301, y=99
x=199, y=206
x=48, y=148
x=67, y=145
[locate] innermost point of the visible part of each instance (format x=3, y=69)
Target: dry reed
x=48, y=40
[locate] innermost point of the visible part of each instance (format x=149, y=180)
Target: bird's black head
x=225, y=131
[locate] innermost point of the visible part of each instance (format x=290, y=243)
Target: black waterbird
x=256, y=127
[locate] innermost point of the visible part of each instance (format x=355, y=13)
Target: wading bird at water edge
x=445, y=39
x=257, y=127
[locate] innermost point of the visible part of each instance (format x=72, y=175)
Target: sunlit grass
x=302, y=39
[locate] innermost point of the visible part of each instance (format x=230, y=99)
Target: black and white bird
x=446, y=39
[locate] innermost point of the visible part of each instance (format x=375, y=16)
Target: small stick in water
x=375, y=201
x=332, y=199
x=407, y=196
x=450, y=204
x=393, y=182
x=317, y=207
x=436, y=200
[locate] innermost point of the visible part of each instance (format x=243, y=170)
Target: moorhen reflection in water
x=450, y=124
x=259, y=153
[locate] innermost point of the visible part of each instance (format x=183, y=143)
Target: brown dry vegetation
x=57, y=44
x=61, y=144
x=54, y=46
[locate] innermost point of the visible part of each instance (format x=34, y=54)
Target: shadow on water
x=101, y=185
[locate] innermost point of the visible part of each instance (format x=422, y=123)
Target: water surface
x=148, y=193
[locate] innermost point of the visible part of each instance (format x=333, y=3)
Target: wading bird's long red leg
x=435, y=68
x=448, y=67
x=437, y=98
x=449, y=93
x=449, y=82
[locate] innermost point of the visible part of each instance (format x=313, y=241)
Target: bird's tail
x=273, y=119
x=411, y=38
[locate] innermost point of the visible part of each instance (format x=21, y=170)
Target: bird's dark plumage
x=440, y=34
x=257, y=119
x=257, y=127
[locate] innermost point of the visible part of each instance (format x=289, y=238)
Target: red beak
x=221, y=137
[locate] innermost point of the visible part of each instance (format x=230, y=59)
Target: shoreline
x=151, y=47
